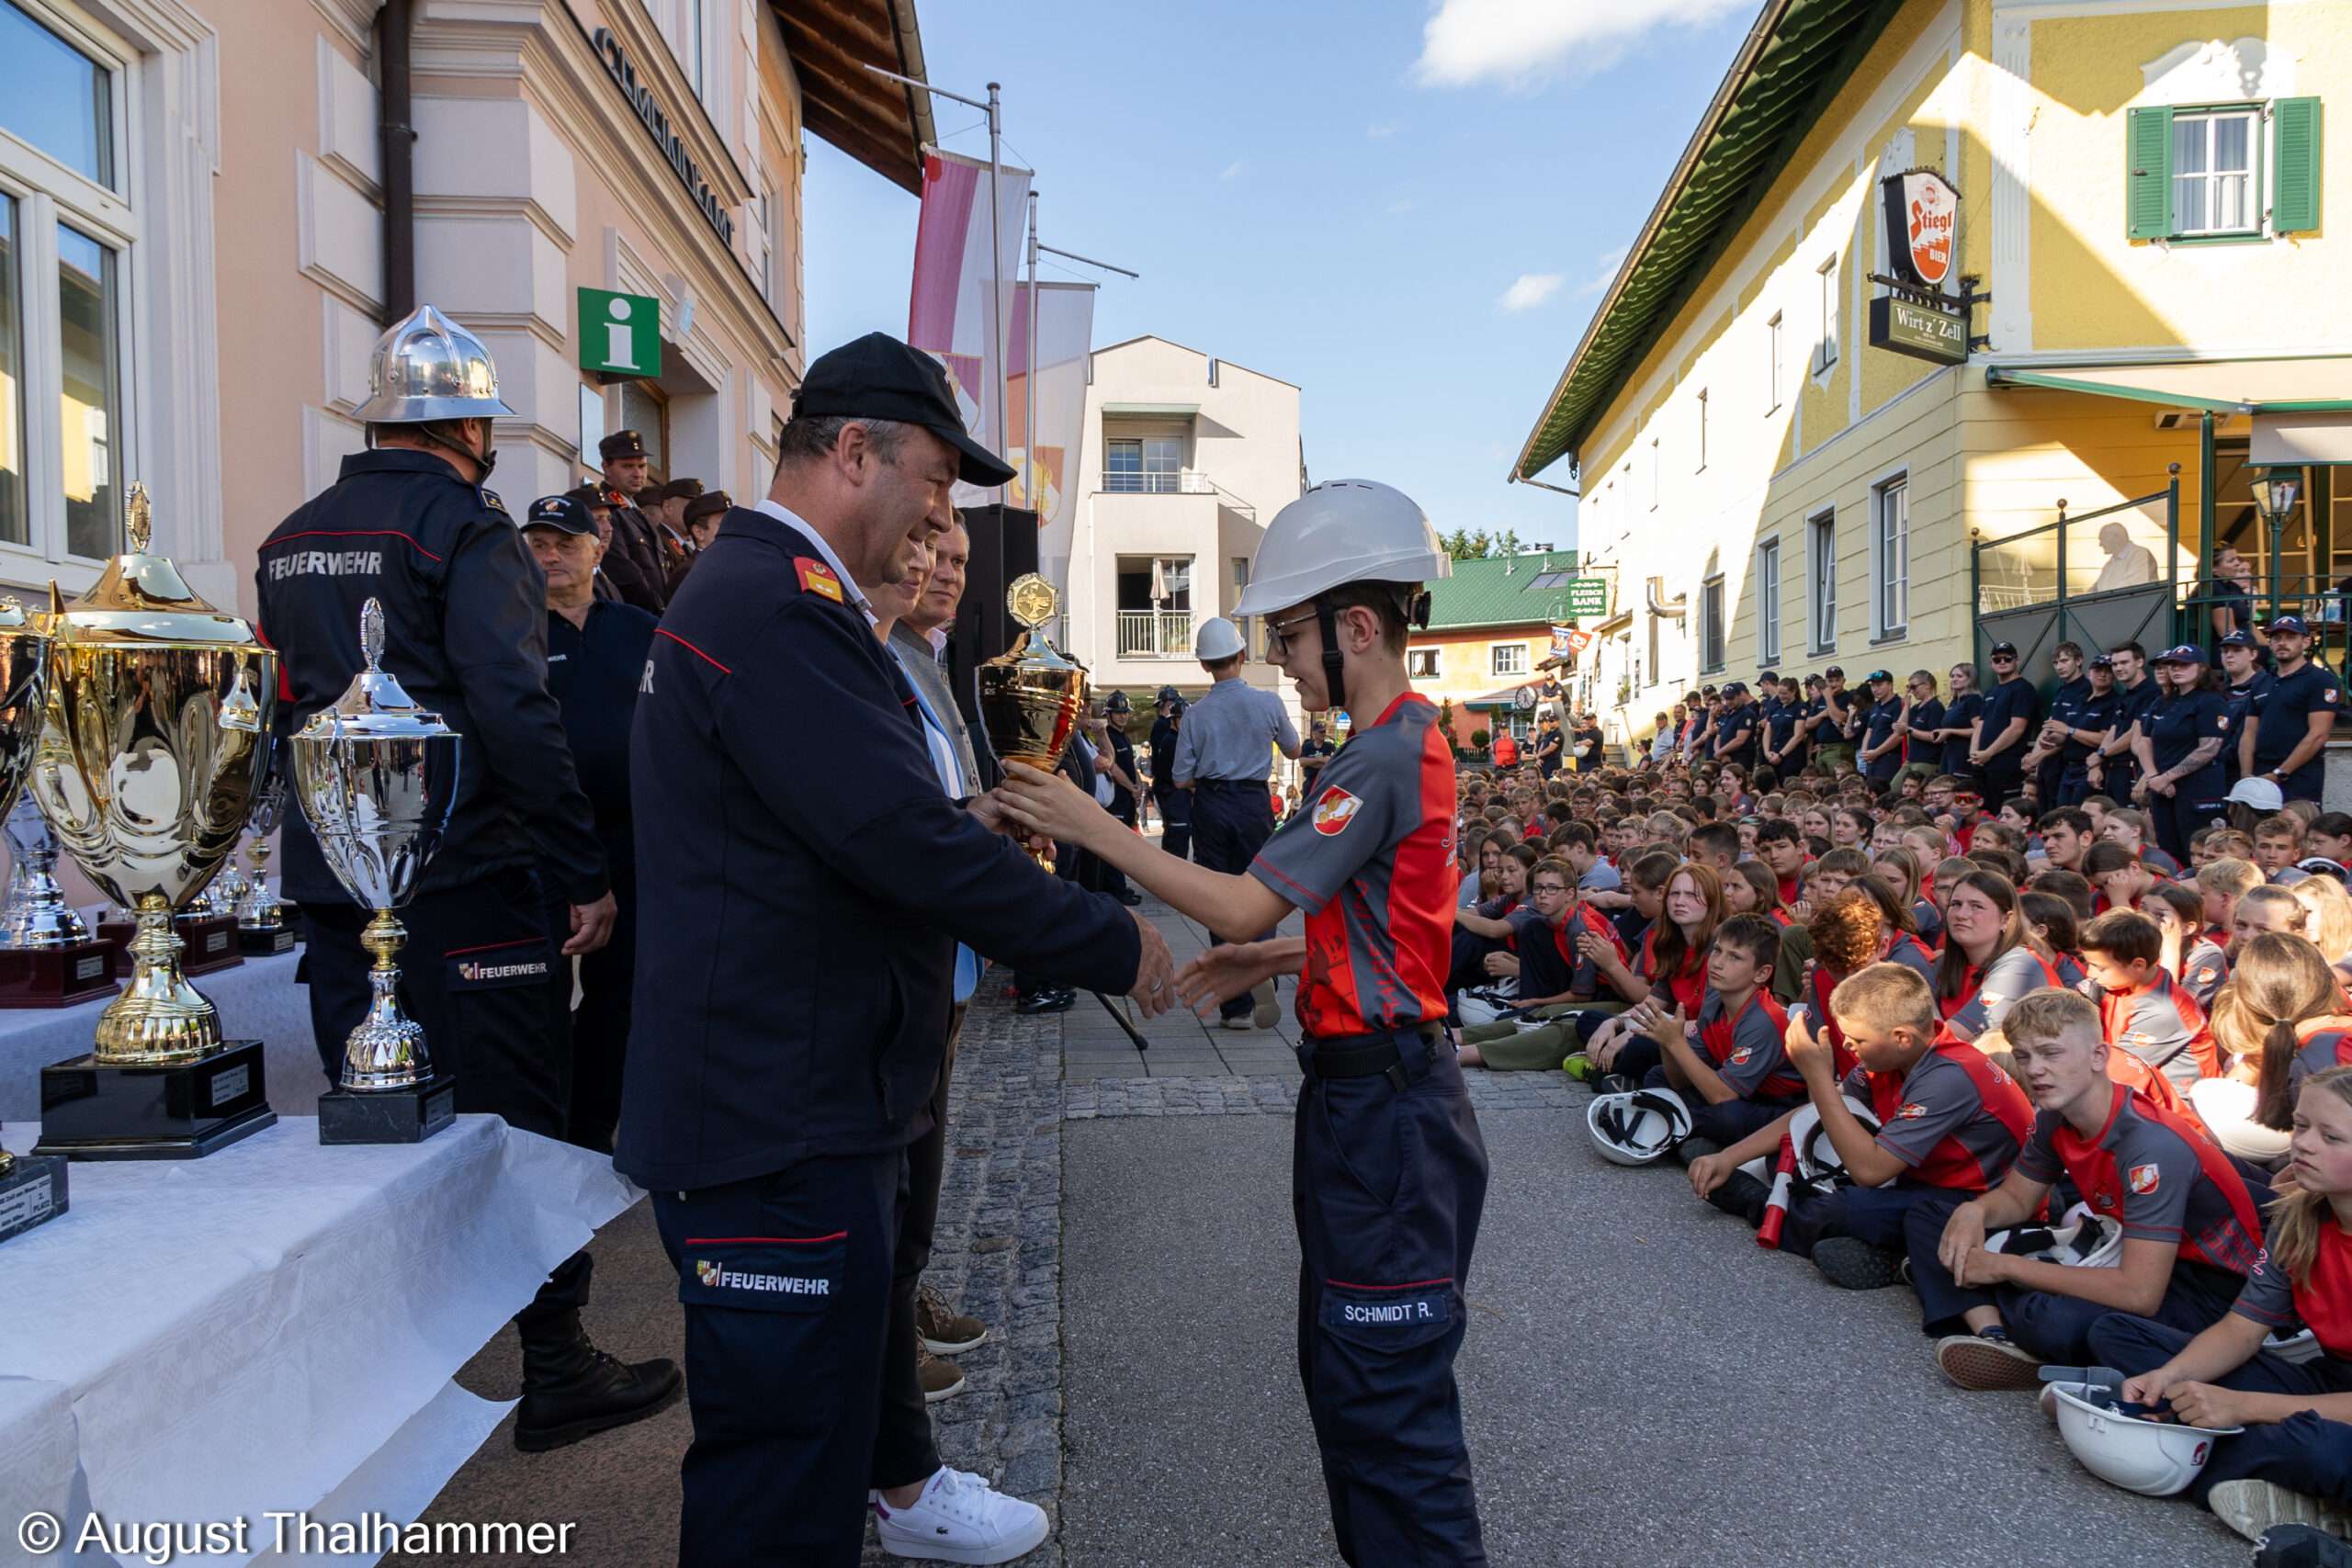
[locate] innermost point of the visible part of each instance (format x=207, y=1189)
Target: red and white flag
x=954, y=284
x=1065, y=338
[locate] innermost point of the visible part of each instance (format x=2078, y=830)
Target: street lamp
x=2275, y=492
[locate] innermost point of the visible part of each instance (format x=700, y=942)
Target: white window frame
x=1657, y=471
x=1703, y=432
x=2255, y=208
x=1891, y=557
x=1715, y=644
x=1767, y=600
x=1424, y=663
x=1820, y=579
x=1508, y=659
x=1772, y=368
x=1825, y=354
x=48, y=193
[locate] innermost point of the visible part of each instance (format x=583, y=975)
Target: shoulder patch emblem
x=1911, y=1111
x=2143, y=1179
x=490, y=499
x=1740, y=1057
x=2328, y=695
x=816, y=577
x=1335, y=810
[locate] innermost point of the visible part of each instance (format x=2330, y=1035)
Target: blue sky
x=1409, y=210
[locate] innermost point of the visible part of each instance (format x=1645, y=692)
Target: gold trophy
x=154, y=742
x=1032, y=693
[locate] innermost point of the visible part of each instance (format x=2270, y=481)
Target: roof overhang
x=1151, y=411
x=2319, y=384
x=1506, y=696
x=1795, y=58
x=883, y=124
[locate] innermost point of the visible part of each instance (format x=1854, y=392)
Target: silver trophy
x=261, y=920
x=376, y=776
x=38, y=913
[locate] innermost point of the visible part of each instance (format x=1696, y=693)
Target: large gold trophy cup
x=1032, y=693
x=154, y=739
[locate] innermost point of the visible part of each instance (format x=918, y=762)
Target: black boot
x=570, y=1389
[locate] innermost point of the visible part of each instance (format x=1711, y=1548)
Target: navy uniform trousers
x=1232, y=820
x=1175, y=820
x=1388, y=1178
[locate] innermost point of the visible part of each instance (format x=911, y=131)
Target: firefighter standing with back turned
x=1388, y=1171
x=409, y=525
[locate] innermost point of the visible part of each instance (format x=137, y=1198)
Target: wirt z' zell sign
x=1904, y=326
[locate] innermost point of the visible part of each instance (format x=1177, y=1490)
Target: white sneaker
x=2253, y=1507
x=961, y=1518
x=1268, y=1011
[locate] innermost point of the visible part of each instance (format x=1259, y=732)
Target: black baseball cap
x=564, y=513
x=1837, y=671
x=1875, y=676
x=878, y=376
x=2005, y=651
x=2293, y=624
x=1735, y=690
x=2102, y=661
x=2240, y=639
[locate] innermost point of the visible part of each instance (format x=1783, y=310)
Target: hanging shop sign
x=1922, y=222
x=1923, y=331
x=657, y=124
x=1588, y=597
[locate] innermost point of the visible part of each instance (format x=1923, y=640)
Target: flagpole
x=1029, y=484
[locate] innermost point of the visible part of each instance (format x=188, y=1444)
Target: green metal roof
x=1498, y=590
x=1796, y=57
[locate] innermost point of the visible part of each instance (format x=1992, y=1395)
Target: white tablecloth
x=274, y=1327
x=258, y=1000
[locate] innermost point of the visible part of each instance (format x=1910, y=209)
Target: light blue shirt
x=1231, y=733
x=951, y=778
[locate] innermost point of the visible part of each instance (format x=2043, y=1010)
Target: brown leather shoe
x=945, y=1330
x=940, y=1380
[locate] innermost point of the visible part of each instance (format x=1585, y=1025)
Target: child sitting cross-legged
x=1949, y=1124
x=1561, y=944
x=2189, y=1225
x=2293, y=1462
x=1728, y=1064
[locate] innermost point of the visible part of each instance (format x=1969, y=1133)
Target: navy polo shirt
x=2137, y=701
x=2241, y=700
x=594, y=674
x=2174, y=729
x=2283, y=714
x=1738, y=722
x=1926, y=718
x=2010, y=700
x=1963, y=712
x=1879, y=726
x=2097, y=711
x=1780, y=720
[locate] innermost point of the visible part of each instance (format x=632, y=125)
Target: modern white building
x=1185, y=460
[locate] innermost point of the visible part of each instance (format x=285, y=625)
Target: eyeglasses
x=1279, y=633
x=2005, y=659
x=1550, y=890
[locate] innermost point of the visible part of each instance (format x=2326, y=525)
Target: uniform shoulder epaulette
x=490, y=499
x=816, y=577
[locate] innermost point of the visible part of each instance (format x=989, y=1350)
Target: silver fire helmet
x=427, y=368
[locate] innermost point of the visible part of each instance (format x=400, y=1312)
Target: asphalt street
x=1644, y=1385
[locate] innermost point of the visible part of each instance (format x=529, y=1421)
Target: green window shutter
x=2147, y=186
x=2294, y=191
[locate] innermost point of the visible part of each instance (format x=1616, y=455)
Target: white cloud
x=1604, y=272
x=1519, y=42
x=1396, y=210
x=1530, y=290
x=1233, y=170
x=1385, y=128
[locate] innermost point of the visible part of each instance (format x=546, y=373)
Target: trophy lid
x=1032, y=601
x=140, y=598
x=374, y=705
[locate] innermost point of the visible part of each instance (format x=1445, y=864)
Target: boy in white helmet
x=1389, y=1173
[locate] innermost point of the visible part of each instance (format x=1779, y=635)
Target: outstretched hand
x=1222, y=972
x=1047, y=804
x=1155, y=969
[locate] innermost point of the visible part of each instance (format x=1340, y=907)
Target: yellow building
x=2142, y=192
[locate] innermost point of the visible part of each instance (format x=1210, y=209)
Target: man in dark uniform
x=2046, y=758
x=1175, y=802
x=1784, y=748
x=2091, y=722
x=1879, y=755
x=408, y=524
x=1734, y=737
x=1317, y=750
x=796, y=966
x=596, y=652
x=2112, y=770
x=2010, y=709
x=634, y=557
x=1830, y=731
x=2288, y=724
x=1124, y=803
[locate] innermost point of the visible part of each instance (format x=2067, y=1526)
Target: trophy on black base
x=32, y=1191
x=155, y=732
x=377, y=775
x=262, y=930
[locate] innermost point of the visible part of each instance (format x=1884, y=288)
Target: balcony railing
x=1155, y=634
x=1179, y=481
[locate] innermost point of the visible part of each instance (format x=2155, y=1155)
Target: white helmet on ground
x=1343, y=531
x=2155, y=1459
x=2080, y=1240
x=1817, y=1158
x=1217, y=639
x=1638, y=1126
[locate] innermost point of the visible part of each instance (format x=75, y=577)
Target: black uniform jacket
x=466, y=632
x=803, y=880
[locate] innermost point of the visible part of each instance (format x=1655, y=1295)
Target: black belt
x=1257, y=785
x=1367, y=1055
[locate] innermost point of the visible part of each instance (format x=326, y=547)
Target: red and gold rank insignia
x=816, y=577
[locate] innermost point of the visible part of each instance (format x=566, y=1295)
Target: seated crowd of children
x=2094, y=1106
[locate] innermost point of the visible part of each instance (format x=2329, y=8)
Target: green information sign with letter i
x=620, y=334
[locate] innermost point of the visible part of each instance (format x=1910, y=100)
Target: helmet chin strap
x=1335, y=682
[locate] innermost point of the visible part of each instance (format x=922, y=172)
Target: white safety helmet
x=2155, y=1459
x=2080, y=1240
x=2263, y=795
x=2297, y=1348
x=1817, y=1158
x=1343, y=531
x=1217, y=639
x=1638, y=1126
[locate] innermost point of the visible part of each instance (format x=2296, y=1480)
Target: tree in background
x=1463, y=544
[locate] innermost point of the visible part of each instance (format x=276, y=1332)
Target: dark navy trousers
x=1231, y=821
x=1175, y=820
x=791, y=1348
x=2303, y=1453
x=1387, y=1183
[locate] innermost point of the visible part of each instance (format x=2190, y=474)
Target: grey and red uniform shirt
x=2162, y=1025
x=2202, y=969
x=2158, y=1174
x=1746, y=1051
x=1987, y=995
x=1685, y=988
x=2316, y=1053
x=1954, y=1119
x=2322, y=1304
x=1902, y=948
x=1371, y=862
x=1549, y=962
